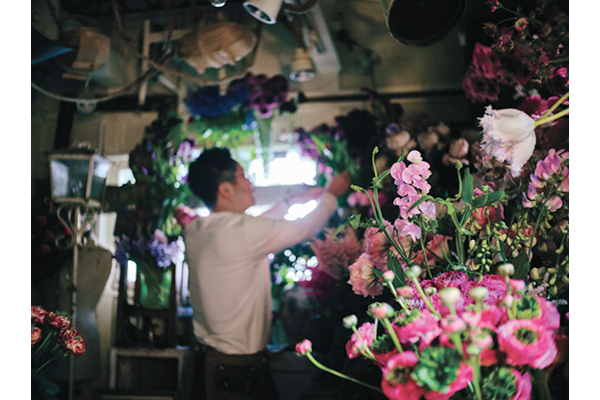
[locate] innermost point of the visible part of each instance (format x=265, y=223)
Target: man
x=230, y=284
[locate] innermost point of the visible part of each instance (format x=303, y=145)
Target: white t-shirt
x=230, y=283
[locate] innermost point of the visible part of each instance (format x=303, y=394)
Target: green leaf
x=487, y=199
x=339, y=229
x=449, y=205
x=354, y=221
x=521, y=264
x=421, y=200
x=394, y=265
x=467, y=188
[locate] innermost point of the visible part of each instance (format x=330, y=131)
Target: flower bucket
x=155, y=286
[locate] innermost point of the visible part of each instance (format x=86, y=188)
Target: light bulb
x=218, y=3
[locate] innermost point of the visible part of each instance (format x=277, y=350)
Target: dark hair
x=208, y=171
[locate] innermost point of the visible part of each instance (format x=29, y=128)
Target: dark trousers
x=220, y=376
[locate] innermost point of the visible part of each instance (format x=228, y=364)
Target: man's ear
x=226, y=190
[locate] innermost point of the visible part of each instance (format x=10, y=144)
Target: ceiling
x=354, y=48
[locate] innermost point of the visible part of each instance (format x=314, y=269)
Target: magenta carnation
x=397, y=383
x=526, y=343
x=495, y=284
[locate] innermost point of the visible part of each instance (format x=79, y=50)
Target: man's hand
x=339, y=184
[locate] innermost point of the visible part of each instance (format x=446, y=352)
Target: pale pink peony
x=362, y=278
x=426, y=323
x=465, y=376
x=396, y=383
x=523, y=386
x=526, y=342
x=355, y=344
x=508, y=135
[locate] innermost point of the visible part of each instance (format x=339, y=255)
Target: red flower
x=38, y=314
x=521, y=24
x=36, y=335
x=397, y=384
x=73, y=342
x=526, y=343
x=58, y=321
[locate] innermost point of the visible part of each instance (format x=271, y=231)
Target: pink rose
x=362, y=278
x=36, y=335
x=38, y=314
x=355, y=344
x=303, y=347
x=526, y=343
x=396, y=383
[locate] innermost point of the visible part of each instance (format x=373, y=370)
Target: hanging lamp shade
x=264, y=10
x=423, y=22
x=78, y=175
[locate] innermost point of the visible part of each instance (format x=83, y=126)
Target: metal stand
x=79, y=219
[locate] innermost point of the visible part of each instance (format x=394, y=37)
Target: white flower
x=414, y=157
x=508, y=135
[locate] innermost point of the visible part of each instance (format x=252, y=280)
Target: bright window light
x=131, y=271
x=300, y=210
x=293, y=169
x=125, y=176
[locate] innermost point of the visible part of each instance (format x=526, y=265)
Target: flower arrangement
x=529, y=51
x=52, y=337
x=466, y=271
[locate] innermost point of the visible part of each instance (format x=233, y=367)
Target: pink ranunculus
x=426, y=323
x=526, y=342
x=465, y=376
x=58, y=321
x=495, y=284
x=362, y=278
x=303, y=347
x=450, y=279
x=508, y=135
x=355, y=344
x=549, y=317
x=396, y=383
x=382, y=358
x=523, y=388
x=491, y=316
x=36, y=335
x=38, y=314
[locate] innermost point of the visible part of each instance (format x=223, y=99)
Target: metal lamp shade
x=264, y=10
x=78, y=177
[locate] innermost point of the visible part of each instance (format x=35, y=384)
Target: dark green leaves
x=521, y=264
x=393, y=264
x=487, y=199
x=467, y=189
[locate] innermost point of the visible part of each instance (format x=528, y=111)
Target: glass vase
x=155, y=286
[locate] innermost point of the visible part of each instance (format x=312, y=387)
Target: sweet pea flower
x=355, y=344
x=304, y=347
x=563, y=186
x=397, y=383
x=526, y=342
x=508, y=135
x=406, y=228
x=362, y=277
x=548, y=166
x=554, y=203
x=414, y=157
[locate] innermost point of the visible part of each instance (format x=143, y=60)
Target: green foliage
x=437, y=367
x=499, y=384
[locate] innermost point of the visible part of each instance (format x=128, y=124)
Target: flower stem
x=559, y=102
x=552, y=118
x=390, y=329
x=424, y=297
x=476, y=378
x=541, y=384
x=43, y=365
x=364, y=348
x=398, y=299
x=425, y=255
x=340, y=375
